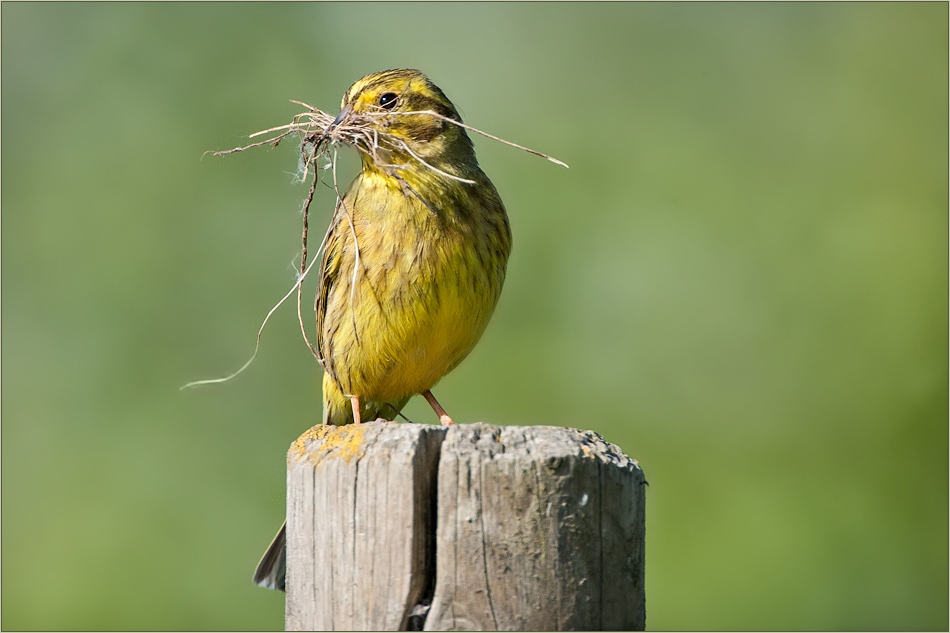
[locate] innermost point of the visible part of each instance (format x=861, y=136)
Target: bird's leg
x=439, y=411
x=355, y=401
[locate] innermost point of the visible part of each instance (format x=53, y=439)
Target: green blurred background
x=741, y=280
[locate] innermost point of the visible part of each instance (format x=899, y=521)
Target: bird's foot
x=439, y=411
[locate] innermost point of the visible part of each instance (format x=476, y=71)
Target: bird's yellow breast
x=406, y=306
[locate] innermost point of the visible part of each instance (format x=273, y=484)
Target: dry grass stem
x=304, y=268
x=257, y=347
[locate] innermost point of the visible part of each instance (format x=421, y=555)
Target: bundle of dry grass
x=318, y=131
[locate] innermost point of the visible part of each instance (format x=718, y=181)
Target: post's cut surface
x=360, y=525
x=539, y=529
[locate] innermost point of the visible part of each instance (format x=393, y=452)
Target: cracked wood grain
x=360, y=525
x=539, y=529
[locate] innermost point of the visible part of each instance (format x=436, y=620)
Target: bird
x=413, y=263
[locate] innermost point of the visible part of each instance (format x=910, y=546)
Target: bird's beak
x=339, y=118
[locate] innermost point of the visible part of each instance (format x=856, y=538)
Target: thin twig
x=303, y=267
x=270, y=141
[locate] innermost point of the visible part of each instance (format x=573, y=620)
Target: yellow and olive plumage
x=413, y=265
x=429, y=254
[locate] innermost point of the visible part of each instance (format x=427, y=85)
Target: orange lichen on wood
x=325, y=440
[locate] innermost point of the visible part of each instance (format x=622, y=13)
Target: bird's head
x=404, y=117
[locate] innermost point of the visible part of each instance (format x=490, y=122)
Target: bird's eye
x=388, y=100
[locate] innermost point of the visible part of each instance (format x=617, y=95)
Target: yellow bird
x=413, y=264
x=403, y=303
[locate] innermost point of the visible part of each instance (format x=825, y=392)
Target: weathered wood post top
x=471, y=527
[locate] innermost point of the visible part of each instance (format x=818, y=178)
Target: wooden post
x=360, y=530
x=535, y=528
